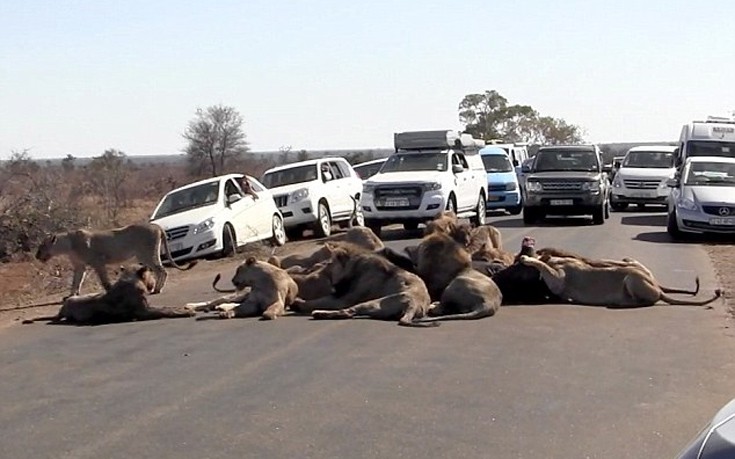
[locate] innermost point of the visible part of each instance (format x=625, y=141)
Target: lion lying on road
x=272, y=290
x=358, y=235
x=471, y=295
x=104, y=247
x=613, y=286
x=125, y=301
x=367, y=284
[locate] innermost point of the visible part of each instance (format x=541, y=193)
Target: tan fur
x=367, y=284
x=485, y=243
x=358, y=236
x=100, y=248
x=271, y=291
x=124, y=301
x=485, y=236
x=470, y=295
x=439, y=258
x=314, y=283
x=614, y=286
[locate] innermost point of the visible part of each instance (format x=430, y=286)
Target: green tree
x=214, y=136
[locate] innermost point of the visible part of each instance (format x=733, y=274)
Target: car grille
x=496, y=187
x=176, y=233
x=281, y=200
x=412, y=193
x=181, y=253
x=641, y=184
x=559, y=185
x=715, y=210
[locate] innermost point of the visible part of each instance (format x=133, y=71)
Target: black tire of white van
x=229, y=246
x=618, y=206
x=480, y=217
x=598, y=214
x=375, y=226
x=515, y=210
x=323, y=223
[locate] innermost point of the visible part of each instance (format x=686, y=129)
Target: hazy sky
x=82, y=76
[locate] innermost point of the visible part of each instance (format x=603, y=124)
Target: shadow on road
x=401, y=234
x=547, y=222
x=663, y=237
x=644, y=220
x=655, y=236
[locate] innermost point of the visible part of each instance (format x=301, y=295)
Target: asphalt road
x=555, y=381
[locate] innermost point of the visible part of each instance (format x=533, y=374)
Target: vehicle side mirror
x=616, y=164
x=607, y=168
x=457, y=168
x=672, y=183
x=525, y=168
x=233, y=198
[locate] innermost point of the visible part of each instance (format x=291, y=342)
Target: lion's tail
x=214, y=285
x=680, y=290
x=674, y=301
x=170, y=258
x=472, y=315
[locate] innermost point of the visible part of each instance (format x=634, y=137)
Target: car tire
x=480, y=210
x=598, y=215
x=530, y=216
x=279, y=232
x=359, y=219
x=323, y=224
x=374, y=226
x=641, y=207
x=618, y=206
x=229, y=246
x=452, y=204
x=411, y=226
x=672, y=227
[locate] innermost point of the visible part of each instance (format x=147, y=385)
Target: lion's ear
x=250, y=261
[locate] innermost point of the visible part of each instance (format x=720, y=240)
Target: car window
x=232, y=188
x=297, y=174
x=458, y=158
x=343, y=167
x=257, y=187
x=337, y=171
x=326, y=172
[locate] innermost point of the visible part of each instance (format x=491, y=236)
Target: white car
x=702, y=199
x=215, y=216
x=642, y=176
x=315, y=194
x=367, y=169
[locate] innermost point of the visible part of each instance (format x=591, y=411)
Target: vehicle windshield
x=706, y=148
x=368, y=170
x=290, y=176
x=188, y=198
x=649, y=159
x=566, y=160
x=415, y=162
x=711, y=173
x=497, y=163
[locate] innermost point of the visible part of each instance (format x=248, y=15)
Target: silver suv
x=567, y=180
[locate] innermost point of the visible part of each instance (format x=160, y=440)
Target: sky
x=79, y=77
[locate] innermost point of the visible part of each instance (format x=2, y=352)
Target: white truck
x=713, y=137
x=430, y=171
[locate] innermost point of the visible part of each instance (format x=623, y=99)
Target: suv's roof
x=208, y=180
x=568, y=147
x=654, y=148
x=304, y=163
x=372, y=161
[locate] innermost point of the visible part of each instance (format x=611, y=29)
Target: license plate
x=396, y=202
x=176, y=246
x=643, y=194
x=493, y=198
x=561, y=202
x=722, y=221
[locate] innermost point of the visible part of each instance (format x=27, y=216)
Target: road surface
x=556, y=381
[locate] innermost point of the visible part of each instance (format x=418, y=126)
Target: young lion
x=103, y=247
x=125, y=301
x=271, y=291
x=471, y=295
x=367, y=284
x=614, y=286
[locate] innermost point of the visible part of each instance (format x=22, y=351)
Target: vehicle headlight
x=368, y=187
x=534, y=187
x=432, y=186
x=617, y=182
x=204, y=226
x=510, y=186
x=591, y=186
x=687, y=204
x=298, y=195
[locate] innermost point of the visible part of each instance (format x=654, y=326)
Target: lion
x=484, y=243
x=439, y=258
x=104, y=247
x=313, y=283
x=125, y=301
x=359, y=236
x=272, y=290
x=470, y=295
x=366, y=284
x=574, y=280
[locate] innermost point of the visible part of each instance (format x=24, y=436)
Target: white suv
x=430, y=171
x=642, y=175
x=215, y=216
x=316, y=193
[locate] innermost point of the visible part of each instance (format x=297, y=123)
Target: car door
x=262, y=211
x=465, y=195
x=333, y=188
x=239, y=210
x=349, y=186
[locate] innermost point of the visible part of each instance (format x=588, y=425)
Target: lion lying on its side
x=125, y=301
x=629, y=284
x=271, y=291
x=367, y=284
x=358, y=235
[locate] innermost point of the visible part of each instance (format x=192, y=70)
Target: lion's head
x=138, y=273
x=252, y=273
x=46, y=250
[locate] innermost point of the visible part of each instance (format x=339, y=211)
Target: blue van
x=503, y=191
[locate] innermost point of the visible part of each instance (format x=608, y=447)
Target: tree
x=488, y=116
x=106, y=175
x=214, y=136
x=68, y=163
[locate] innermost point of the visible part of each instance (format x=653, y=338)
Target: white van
x=642, y=175
x=430, y=171
x=713, y=137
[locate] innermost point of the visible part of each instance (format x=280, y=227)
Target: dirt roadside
x=723, y=260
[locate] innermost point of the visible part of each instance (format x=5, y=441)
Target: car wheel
x=323, y=225
x=598, y=215
x=279, y=233
x=228, y=241
x=374, y=226
x=480, y=210
x=618, y=205
x=672, y=227
x=452, y=205
x=641, y=206
x=411, y=226
x=530, y=216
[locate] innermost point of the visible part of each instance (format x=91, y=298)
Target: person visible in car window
x=246, y=188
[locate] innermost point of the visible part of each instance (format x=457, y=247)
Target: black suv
x=567, y=180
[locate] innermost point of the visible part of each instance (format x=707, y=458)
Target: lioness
x=359, y=236
x=470, y=295
x=125, y=301
x=615, y=286
x=103, y=247
x=367, y=284
x=271, y=291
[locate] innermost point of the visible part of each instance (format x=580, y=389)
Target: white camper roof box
x=424, y=140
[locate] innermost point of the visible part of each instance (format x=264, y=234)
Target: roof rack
x=421, y=140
